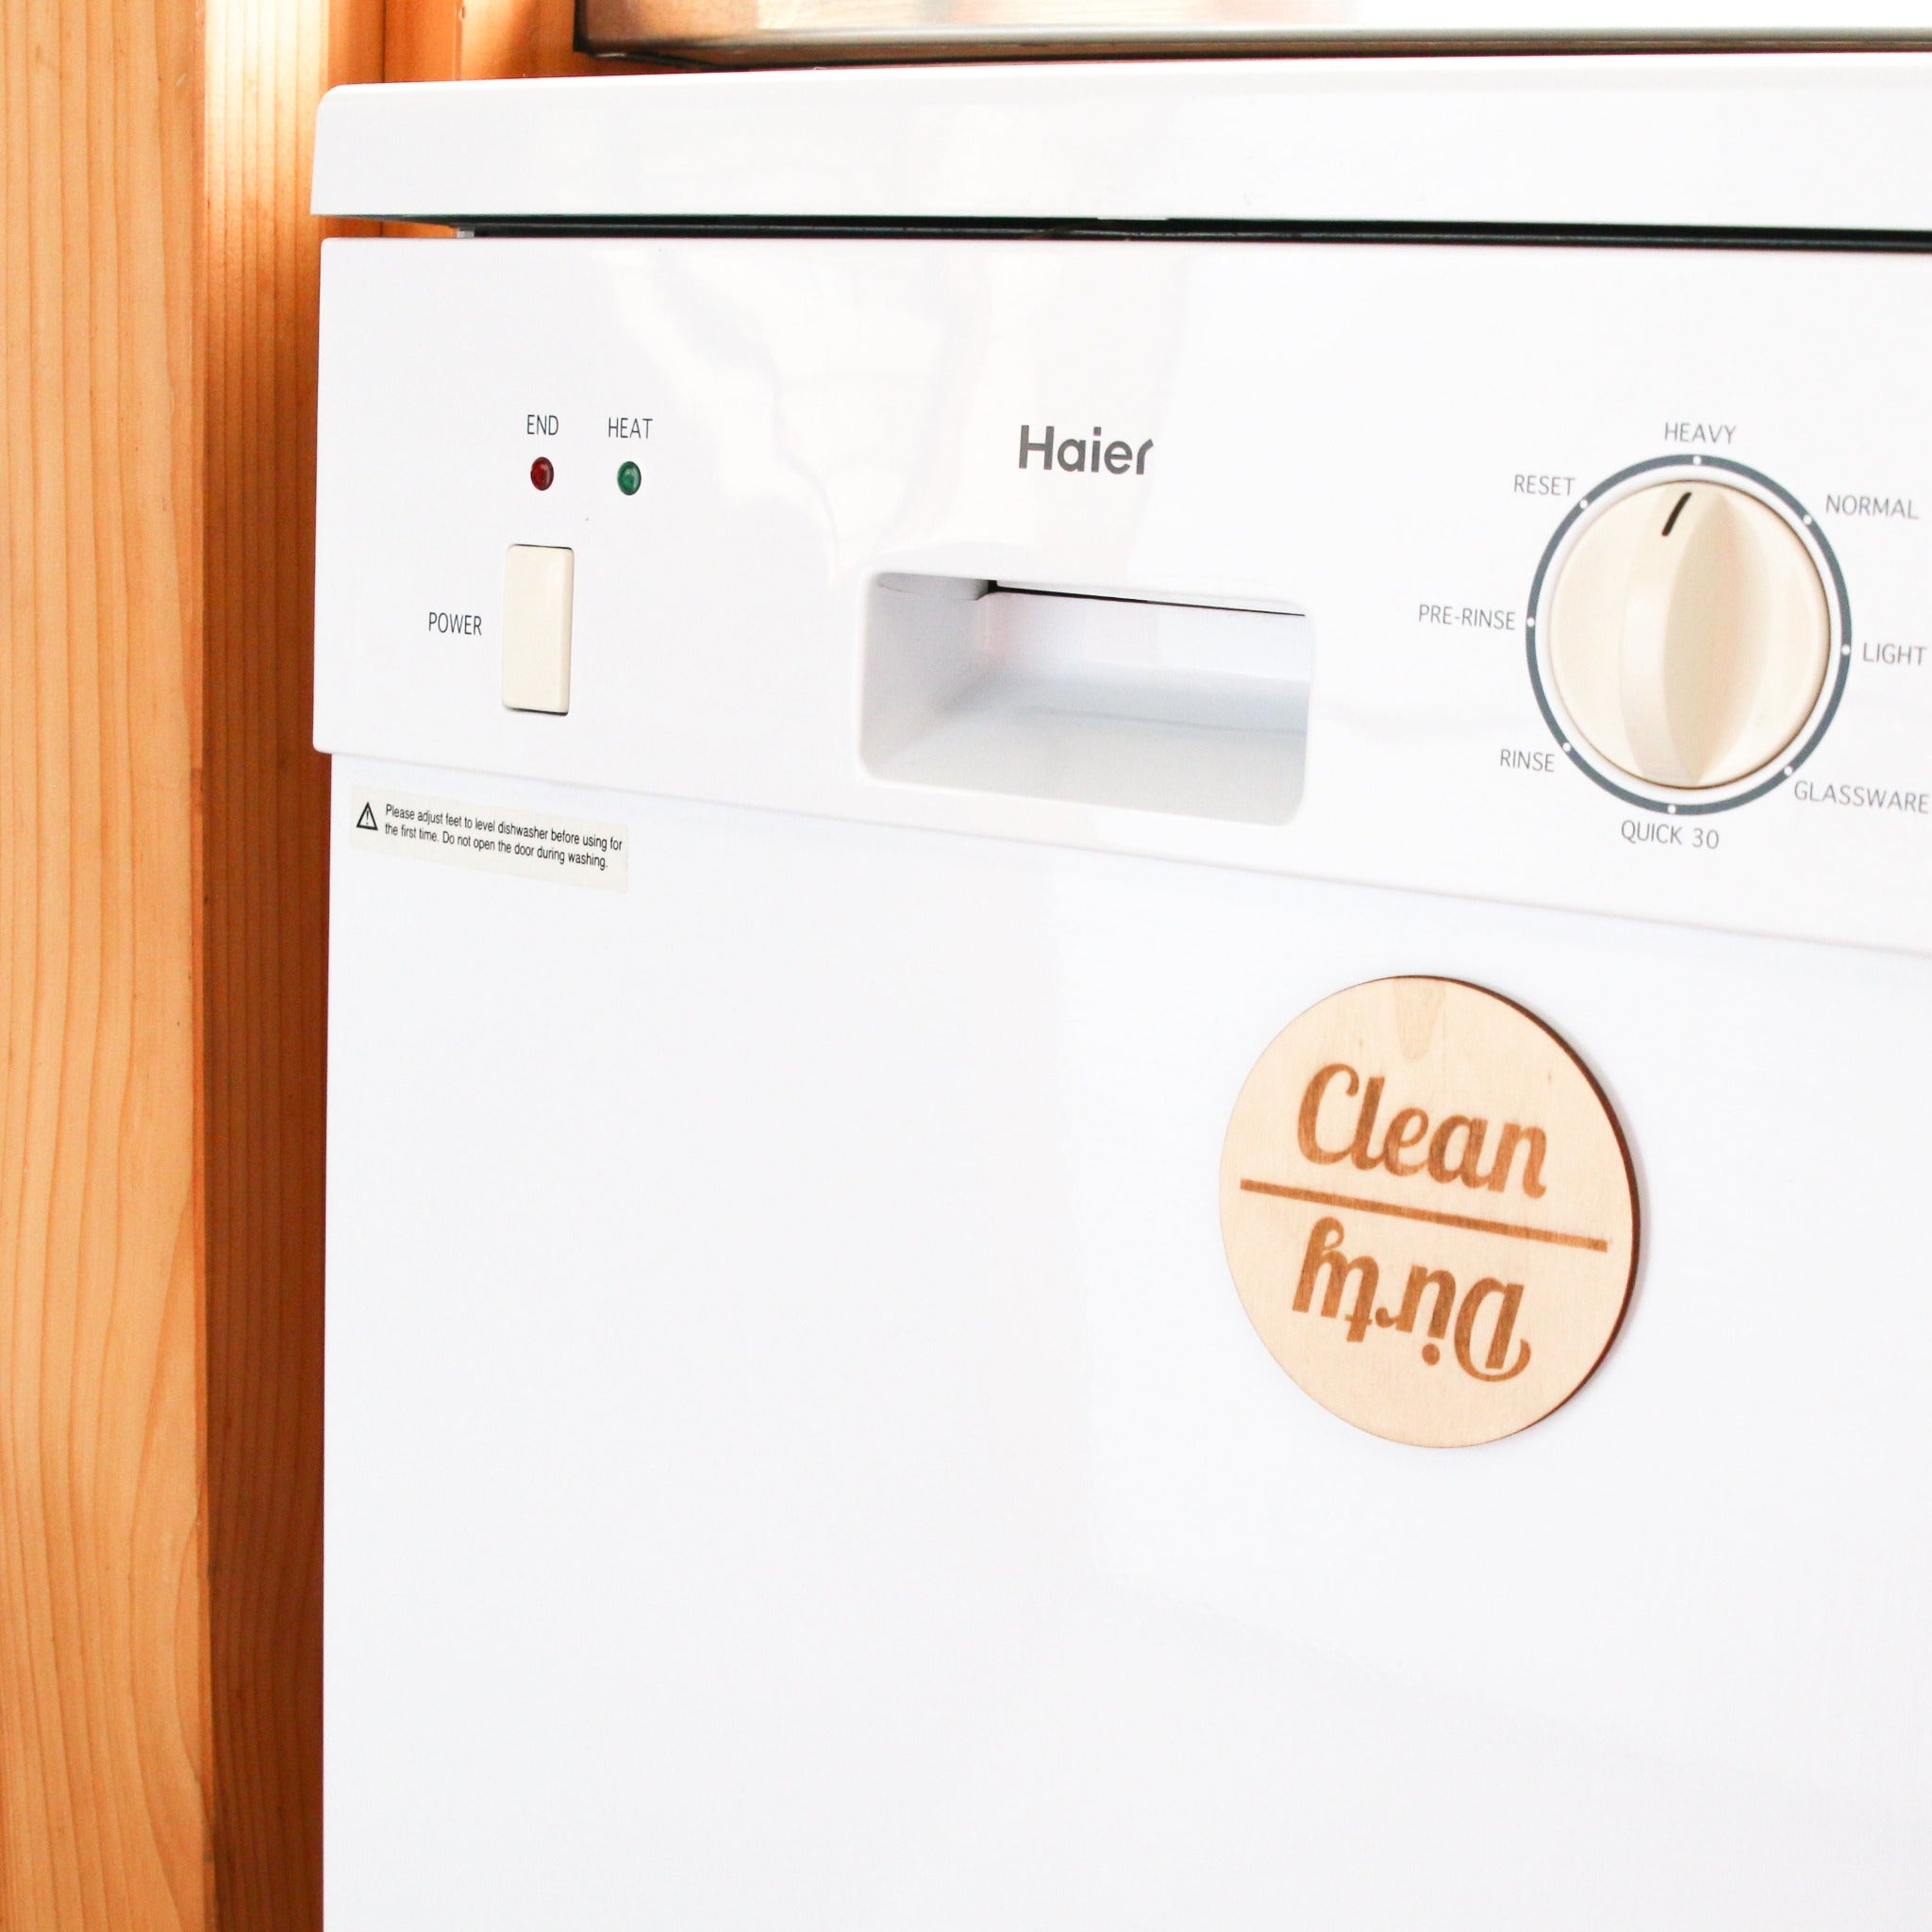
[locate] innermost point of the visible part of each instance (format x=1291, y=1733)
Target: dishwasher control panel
x=1426, y=565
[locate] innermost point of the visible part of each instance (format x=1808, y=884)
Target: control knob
x=1689, y=633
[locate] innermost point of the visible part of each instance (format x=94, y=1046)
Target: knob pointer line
x=1514, y=1229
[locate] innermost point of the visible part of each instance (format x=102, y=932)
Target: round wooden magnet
x=1429, y=1211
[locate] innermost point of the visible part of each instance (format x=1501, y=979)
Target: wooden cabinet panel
x=486, y=40
x=104, y=1761
x=264, y=949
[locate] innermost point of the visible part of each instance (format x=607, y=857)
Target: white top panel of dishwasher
x=1233, y=554
x=1817, y=141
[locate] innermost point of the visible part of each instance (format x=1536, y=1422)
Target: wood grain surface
x=1429, y=1211
x=102, y=1738
x=264, y=949
x=486, y=40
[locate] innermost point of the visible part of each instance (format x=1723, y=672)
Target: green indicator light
x=629, y=478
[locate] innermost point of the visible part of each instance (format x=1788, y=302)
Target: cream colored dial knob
x=1689, y=634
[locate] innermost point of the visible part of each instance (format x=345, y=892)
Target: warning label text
x=489, y=840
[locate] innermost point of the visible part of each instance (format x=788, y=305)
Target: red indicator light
x=542, y=473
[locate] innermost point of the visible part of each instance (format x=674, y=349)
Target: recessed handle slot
x=1149, y=703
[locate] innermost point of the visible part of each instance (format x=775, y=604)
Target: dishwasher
x=1129, y=1010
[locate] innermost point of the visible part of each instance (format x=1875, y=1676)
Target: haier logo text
x=1088, y=456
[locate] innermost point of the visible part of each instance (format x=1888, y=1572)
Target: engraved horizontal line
x=1513, y=1229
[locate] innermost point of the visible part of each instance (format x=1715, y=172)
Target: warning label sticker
x=535, y=845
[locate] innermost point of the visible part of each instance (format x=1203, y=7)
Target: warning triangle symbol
x=365, y=818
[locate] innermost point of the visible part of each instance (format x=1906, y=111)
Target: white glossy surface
x=1835, y=141
x=796, y=1458
x=1386, y=438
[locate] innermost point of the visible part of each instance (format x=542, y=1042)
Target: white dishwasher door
x=796, y=1458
